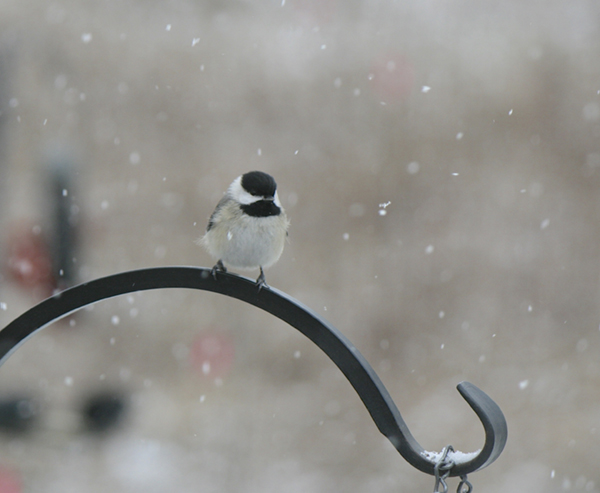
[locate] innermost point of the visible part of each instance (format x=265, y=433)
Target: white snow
x=455, y=456
x=413, y=168
x=134, y=158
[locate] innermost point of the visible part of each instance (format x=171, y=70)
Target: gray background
x=477, y=123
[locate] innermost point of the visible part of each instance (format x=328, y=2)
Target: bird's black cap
x=259, y=184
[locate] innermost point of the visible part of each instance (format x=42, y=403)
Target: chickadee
x=248, y=228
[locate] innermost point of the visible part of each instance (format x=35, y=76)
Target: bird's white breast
x=245, y=242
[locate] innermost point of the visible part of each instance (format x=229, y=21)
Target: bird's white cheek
x=244, y=197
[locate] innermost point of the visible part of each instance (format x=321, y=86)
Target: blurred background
x=440, y=164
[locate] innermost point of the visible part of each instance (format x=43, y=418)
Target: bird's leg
x=219, y=267
x=261, y=281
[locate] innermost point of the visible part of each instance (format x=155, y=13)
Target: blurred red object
x=392, y=77
x=212, y=354
x=30, y=261
x=10, y=481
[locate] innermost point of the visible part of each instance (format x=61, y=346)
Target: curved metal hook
x=340, y=350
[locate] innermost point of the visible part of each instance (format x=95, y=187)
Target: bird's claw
x=261, y=281
x=219, y=267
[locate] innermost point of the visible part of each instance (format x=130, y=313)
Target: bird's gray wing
x=211, y=220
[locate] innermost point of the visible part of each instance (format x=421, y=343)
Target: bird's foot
x=219, y=267
x=261, y=281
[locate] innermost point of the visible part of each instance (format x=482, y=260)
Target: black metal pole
x=336, y=346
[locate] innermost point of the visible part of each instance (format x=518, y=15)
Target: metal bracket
x=334, y=344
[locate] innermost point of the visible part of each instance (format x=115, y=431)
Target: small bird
x=248, y=228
